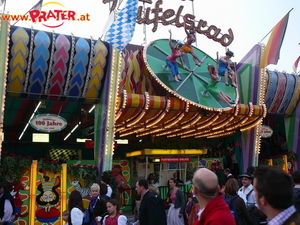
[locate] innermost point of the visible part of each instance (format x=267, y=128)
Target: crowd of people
x=102, y=209
x=263, y=195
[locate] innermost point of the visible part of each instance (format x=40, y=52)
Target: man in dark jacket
x=151, y=210
x=296, y=180
x=274, y=195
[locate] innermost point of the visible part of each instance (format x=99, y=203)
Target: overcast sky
x=250, y=21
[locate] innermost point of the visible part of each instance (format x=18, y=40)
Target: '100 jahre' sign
x=169, y=16
x=48, y=123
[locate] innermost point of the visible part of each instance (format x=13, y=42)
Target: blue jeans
x=173, y=66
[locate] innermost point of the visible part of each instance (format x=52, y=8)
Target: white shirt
x=76, y=216
x=109, y=190
x=243, y=191
x=8, y=210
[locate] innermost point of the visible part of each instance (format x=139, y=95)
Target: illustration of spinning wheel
x=193, y=88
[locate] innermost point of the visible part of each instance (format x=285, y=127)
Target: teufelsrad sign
x=48, y=123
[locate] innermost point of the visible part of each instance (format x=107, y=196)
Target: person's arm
x=182, y=63
x=223, y=60
x=170, y=40
x=186, y=31
x=104, y=220
x=109, y=191
x=122, y=220
x=100, y=207
x=180, y=197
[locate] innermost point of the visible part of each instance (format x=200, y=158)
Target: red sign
x=89, y=144
x=175, y=159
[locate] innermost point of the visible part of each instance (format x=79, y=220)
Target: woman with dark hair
x=7, y=206
x=114, y=217
x=176, y=210
x=76, y=209
x=243, y=216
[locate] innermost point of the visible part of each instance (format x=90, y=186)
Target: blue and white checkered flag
x=121, y=31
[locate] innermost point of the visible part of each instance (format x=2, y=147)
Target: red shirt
x=112, y=220
x=216, y=212
x=175, y=54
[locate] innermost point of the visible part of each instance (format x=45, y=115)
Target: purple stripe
x=296, y=142
x=248, y=137
x=104, y=102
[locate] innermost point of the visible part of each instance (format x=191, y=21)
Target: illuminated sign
x=169, y=17
x=48, y=123
x=266, y=131
x=175, y=159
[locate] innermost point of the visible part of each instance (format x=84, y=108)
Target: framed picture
x=173, y=166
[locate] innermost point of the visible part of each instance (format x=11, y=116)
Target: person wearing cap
x=225, y=69
x=171, y=59
x=187, y=47
x=246, y=192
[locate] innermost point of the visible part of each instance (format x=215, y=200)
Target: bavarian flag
x=122, y=29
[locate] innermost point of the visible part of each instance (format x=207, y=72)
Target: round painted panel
x=195, y=80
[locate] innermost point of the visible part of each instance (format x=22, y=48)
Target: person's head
x=211, y=69
x=192, y=30
x=153, y=189
x=176, y=174
x=103, y=189
x=296, y=177
x=113, y=206
x=205, y=184
x=75, y=200
x=230, y=53
x=3, y=187
x=251, y=169
x=105, y=179
x=273, y=189
x=231, y=187
x=179, y=44
x=227, y=171
x=173, y=182
x=141, y=186
x=95, y=190
x=246, y=179
x=65, y=215
x=150, y=176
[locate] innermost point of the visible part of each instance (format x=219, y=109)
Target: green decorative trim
x=13, y=166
